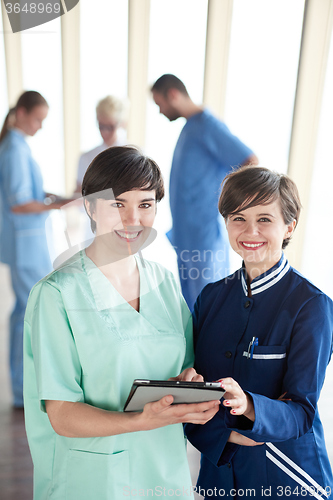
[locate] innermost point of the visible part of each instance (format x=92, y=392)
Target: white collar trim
x=266, y=282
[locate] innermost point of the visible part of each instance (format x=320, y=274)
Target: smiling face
x=124, y=224
x=257, y=234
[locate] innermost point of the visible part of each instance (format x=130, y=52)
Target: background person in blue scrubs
x=267, y=332
x=205, y=152
x=23, y=243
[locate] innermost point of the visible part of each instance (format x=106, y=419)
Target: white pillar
x=217, y=54
x=13, y=56
x=70, y=41
x=138, y=46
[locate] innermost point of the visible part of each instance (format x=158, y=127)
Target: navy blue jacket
x=293, y=322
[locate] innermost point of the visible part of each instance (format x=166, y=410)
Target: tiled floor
x=15, y=461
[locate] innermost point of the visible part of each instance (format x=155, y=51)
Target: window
x=262, y=75
x=177, y=45
x=104, y=45
x=317, y=260
x=3, y=80
x=42, y=71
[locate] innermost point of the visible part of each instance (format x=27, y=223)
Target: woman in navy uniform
x=266, y=332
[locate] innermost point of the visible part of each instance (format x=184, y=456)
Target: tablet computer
x=147, y=391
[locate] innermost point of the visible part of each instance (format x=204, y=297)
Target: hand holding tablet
x=147, y=391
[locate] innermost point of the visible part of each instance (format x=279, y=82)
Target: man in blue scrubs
x=205, y=152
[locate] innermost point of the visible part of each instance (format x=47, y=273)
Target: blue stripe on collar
x=268, y=279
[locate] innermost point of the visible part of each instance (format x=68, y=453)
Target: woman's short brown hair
x=120, y=169
x=251, y=186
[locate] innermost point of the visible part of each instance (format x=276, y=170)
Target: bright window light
x=317, y=260
x=104, y=46
x=3, y=80
x=42, y=71
x=262, y=75
x=176, y=45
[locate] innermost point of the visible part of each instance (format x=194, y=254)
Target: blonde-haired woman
x=111, y=114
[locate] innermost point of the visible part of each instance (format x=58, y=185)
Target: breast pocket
x=97, y=475
x=264, y=371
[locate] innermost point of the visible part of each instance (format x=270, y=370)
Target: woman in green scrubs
x=102, y=319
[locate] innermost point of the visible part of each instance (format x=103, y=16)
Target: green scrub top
x=84, y=342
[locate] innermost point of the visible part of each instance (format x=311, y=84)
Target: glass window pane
x=42, y=71
x=176, y=45
x=3, y=80
x=182, y=54
x=317, y=260
x=104, y=46
x=263, y=64
x=317, y=254
x=177, y=42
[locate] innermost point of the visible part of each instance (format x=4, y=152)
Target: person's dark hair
x=167, y=82
x=252, y=186
x=28, y=100
x=117, y=170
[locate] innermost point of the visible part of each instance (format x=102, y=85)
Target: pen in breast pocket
x=252, y=344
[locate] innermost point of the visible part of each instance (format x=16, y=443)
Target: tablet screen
x=147, y=391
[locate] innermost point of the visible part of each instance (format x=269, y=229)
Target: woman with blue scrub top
x=103, y=319
x=23, y=212
x=266, y=332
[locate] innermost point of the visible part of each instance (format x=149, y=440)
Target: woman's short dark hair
x=120, y=169
x=251, y=186
x=167, y=82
